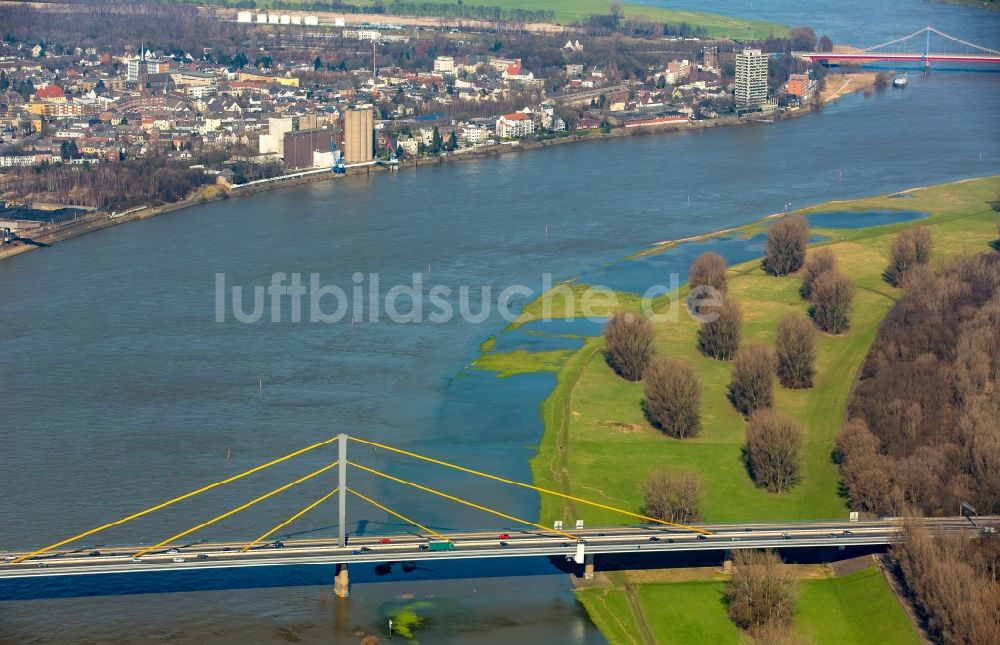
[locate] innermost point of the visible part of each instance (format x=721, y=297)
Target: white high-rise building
x=751, y=79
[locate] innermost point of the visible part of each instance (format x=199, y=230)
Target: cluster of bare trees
x=817, y=263
x=719, y=336
x=761, y=596
x=830, y=292
x=954, y=583
x=109, y=186
x=112, y=24
x=774, y=442
x=672, y=388
x=925, y=415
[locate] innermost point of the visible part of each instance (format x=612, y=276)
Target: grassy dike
x=598, y=445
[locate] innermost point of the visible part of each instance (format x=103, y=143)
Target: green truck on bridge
x=441, y=545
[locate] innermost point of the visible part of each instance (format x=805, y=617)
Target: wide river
x=121, y=388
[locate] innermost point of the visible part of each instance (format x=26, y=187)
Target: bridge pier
x=342, y=583
x=588, y=567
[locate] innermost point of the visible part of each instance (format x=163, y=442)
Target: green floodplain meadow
x=568, y=12
x=598, y=445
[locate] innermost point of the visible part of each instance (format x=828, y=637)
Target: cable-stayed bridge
x=181, y=551
x=927, y=45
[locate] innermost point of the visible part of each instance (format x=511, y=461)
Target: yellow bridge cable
x=462, y=501
x=179, y=498
x=236, y=510
x=289, y=520
x=535, y=488
x=394, y=513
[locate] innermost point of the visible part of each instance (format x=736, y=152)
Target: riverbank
x=598, y=444
x=100, y=220
x=839, y=85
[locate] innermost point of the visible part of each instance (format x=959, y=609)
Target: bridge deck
x=903, y=57
x=637, y=539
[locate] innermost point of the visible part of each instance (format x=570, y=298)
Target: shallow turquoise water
x=861, y=219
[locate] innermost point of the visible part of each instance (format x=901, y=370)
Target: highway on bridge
x=412, y=547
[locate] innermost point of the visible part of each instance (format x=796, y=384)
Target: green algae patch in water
x=406, y=619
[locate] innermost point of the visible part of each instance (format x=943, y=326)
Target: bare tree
x=785, y=248
x=708, y=269
x=774, y=444
x=673, y=495
x=761, y=591
x=707, y=279
x=628, y=339
x=817, y=263
x=796, y=350
x=751, y=385
x=911, y=247
x=673, y=397
x=719, y=336
x=832, y=298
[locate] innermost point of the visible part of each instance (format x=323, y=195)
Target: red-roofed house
x=51, y=93
x=515, y=125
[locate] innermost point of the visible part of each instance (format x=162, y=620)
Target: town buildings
x=252, y=118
